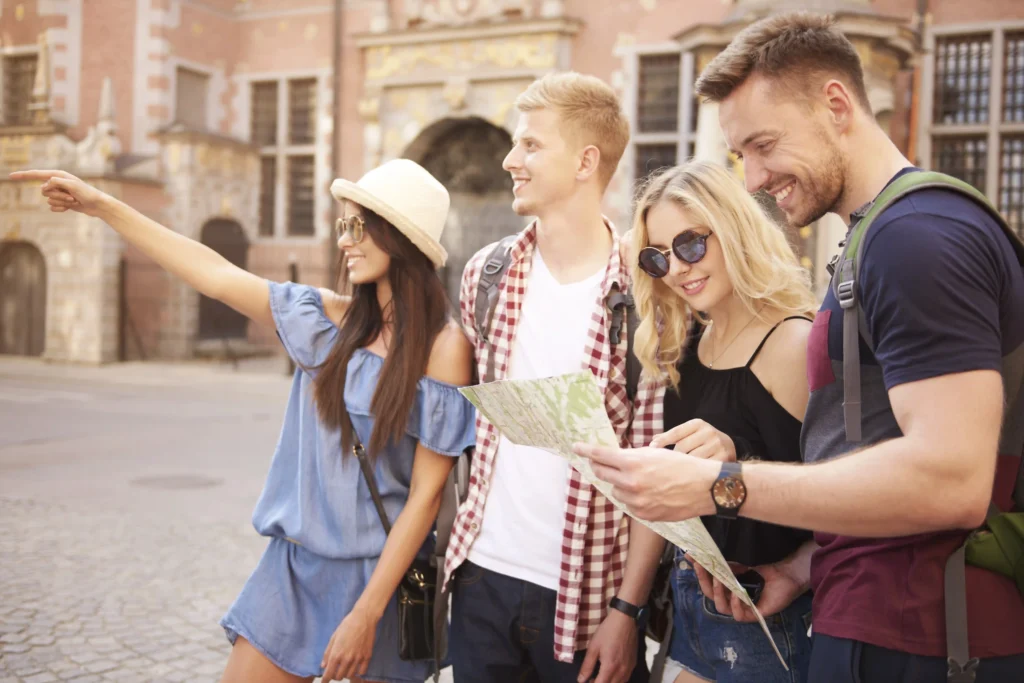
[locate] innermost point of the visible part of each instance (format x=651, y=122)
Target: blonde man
x=542, y=588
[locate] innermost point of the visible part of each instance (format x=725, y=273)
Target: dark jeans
x=503, y=631
x=836, y=660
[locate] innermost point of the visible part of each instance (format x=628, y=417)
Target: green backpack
x=998, y=545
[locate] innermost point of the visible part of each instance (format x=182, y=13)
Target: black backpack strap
x=622, y=307
x=487, y=291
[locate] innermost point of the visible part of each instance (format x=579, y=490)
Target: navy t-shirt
x=942, y=292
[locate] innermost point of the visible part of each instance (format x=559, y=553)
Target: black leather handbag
x=417, y=590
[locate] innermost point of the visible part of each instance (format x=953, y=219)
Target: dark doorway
x=217, y=320
x=22, y=299
x=465, y=155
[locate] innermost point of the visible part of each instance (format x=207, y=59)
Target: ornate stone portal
x=449, y=80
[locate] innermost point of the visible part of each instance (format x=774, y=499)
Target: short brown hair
x=788, y=49
x=590, y=108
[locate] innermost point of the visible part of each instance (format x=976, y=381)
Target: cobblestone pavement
x=89, y=595
x=125, y=502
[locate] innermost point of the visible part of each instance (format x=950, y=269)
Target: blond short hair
x=759, y=260
x=590, y=111
x=793, y=50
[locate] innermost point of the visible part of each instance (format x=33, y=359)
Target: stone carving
x=531, y=52
x=40, y=105
x=458, y=12
x=100, y=146
x=455, y=91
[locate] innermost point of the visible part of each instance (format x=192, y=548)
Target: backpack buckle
x=845, y=294
x=493, y=266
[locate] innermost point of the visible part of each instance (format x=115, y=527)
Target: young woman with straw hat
x=321, y=601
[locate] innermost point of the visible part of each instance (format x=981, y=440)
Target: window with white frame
x=19, y=74
x=283, y=125
x=665, y=119
x=974, y=104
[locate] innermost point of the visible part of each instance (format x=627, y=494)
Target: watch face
x=729, y=492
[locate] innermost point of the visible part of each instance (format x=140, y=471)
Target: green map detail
x=556, y=412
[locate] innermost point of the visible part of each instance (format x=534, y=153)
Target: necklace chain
x=713, y=356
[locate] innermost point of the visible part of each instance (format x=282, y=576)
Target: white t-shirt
x=524, y=516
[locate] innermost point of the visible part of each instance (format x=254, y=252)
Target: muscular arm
x=950, y=428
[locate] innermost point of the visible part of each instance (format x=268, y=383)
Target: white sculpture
x=100, y=147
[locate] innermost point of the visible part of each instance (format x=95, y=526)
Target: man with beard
x=942, y=297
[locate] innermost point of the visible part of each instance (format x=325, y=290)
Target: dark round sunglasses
x=689, y=246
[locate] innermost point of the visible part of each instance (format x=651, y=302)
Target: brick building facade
x=227, y=119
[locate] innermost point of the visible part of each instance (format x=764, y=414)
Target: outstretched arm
x=195, y=263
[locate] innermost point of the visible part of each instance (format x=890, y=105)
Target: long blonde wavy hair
x=762, y=266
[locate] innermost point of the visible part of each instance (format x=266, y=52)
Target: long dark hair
x=418, y=312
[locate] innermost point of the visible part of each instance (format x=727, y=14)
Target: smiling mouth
x=782, y=194
x=696, y=284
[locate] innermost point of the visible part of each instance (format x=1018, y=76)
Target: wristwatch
x=634, y=612
x=729, y=492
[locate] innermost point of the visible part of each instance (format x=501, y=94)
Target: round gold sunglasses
x=351, y=226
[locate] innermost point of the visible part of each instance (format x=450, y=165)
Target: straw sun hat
x=407, y=196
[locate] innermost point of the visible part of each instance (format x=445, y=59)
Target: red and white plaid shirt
x=596, y=535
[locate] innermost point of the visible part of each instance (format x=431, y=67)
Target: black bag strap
x=440, y=610
x=364, y=465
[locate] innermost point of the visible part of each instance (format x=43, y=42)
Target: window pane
x=19, y=77
x=301, y=111
x=268, y=185
x=1013, y=78
x=658, y=100
x=1011, y=182
x=650, y=158
x=300, y=196
x=962, y=68
x=191, y=98
x=962, y=157
x=264, y=113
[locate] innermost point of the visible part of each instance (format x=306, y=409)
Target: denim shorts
x=715, y=647
x=293, y=602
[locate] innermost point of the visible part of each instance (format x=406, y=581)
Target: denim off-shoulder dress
x=325, y=534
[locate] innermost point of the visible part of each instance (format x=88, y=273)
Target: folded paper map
x=556, y=412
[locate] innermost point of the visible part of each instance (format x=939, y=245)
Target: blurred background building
x=227, y=119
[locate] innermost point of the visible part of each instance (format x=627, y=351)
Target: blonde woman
x=726, y=311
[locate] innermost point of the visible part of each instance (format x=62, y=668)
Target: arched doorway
x=465, y=155
x=22, y=299
x=217, y=320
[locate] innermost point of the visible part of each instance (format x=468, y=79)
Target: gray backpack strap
x=962, y=668
x=622, y=306
x=844, y=281
x=487, y=291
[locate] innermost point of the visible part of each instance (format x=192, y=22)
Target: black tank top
x=735, y=402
